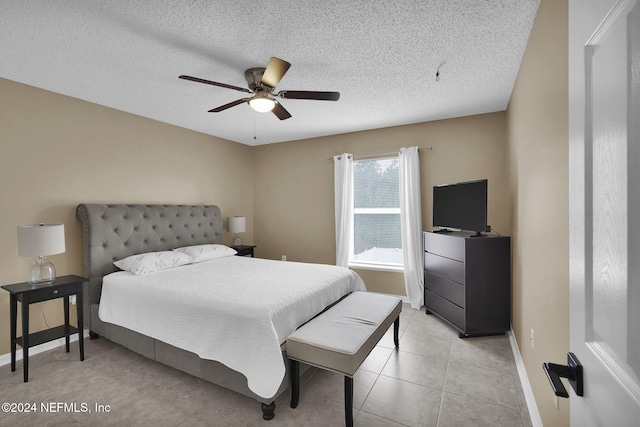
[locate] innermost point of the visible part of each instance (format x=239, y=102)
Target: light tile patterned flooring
x=434, y=379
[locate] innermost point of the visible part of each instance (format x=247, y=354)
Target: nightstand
x=244, y=250
x=27, y=293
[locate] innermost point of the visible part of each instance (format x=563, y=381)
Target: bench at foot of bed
x=341, y=338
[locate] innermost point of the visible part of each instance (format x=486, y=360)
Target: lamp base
x=42, y=272
x=236, y=240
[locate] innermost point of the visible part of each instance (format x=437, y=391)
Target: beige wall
x=293, y=189
x=56, y=152
x=538, y=143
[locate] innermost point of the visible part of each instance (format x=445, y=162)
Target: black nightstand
x=28, y=293
x=244, y=250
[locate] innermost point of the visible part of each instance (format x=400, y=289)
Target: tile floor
x=434, y=379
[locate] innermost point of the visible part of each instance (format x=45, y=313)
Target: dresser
x=467, y=281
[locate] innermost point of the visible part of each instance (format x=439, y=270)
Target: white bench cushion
x=343, y=336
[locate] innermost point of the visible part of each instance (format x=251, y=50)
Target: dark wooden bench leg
x=295, y=382
x=396, y=329
x=348, y=401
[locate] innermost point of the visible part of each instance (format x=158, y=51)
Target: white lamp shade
x=40, y=240
x=237, y=224
x=262, y=104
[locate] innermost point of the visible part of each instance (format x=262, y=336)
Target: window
x=377, y=240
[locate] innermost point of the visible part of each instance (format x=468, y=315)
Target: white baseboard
x=5, y=359
x=524, y=380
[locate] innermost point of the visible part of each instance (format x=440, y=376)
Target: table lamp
x=41, y=240
x=236, y=224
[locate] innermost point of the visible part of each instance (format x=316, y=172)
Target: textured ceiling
x=382, y=56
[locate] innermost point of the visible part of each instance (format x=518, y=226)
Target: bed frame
x=112, y=232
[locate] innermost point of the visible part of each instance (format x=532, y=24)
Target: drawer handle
x=55, y=291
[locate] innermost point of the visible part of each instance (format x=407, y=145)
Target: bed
x=221, y=285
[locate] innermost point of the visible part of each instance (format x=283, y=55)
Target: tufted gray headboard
x=113, y=232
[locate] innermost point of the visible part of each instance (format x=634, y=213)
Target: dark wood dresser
x=467, y=281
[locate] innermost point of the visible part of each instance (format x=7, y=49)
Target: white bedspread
x=235, y=310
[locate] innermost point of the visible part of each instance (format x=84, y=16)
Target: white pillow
x=153, y=261
x=201, y=253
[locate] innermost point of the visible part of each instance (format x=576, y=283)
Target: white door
x=604, y=153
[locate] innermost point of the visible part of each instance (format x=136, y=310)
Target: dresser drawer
x=47, y=293
x=446, y=288
x=446, y=267
x=445, y=245
x=445, y=309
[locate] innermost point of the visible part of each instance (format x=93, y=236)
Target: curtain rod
x=381, y=154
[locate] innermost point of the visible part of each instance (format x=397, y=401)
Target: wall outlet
x=284, y=258
x=532, y=339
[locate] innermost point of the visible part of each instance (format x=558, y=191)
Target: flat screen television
x=461, y=206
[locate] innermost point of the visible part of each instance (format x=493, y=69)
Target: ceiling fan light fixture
x=262, y=82
x=262, y=103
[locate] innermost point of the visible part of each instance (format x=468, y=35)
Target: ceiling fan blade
x=306, y=94
x=280, y=111
x=229, y=105
x=209, y=82
x=276, y=69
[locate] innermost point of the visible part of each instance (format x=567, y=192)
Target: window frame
x=373, y=265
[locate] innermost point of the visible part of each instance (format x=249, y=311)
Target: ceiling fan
x=262, y=83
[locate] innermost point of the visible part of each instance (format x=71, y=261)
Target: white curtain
x=411, y=224
x=343, y=191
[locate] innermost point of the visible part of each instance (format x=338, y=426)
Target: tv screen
x=462, y=205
